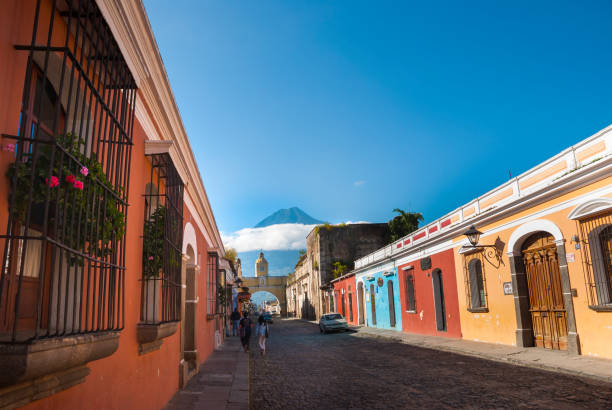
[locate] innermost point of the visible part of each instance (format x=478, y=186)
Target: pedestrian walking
x=245, y=331
x=262, y=333
x=235, y=318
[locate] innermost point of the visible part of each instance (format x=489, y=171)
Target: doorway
x=546, y=306
x=361, y=303
x=373, y=303
x=438, y=289
x=391, y=303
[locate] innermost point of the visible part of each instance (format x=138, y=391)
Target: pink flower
x=70, y=179
x=52, y=182
x=151, y=258
x=78, y=184
x=8, y=147
x=84, y=171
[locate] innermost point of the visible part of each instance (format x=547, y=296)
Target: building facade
x=532, y=259
x=109, y=291
x=344, y=298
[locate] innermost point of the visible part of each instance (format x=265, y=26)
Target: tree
x=404, y=223
x=231, y=254
x=302, y=252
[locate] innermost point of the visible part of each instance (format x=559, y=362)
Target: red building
x=345, y=297
x=428, y=293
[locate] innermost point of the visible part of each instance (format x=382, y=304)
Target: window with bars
x=475, y=282
x=596, y=237
x=63, y=268
x=162, y=243
x=410, y=296
x=211, y=285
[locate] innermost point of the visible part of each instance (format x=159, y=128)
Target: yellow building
x=541, y=271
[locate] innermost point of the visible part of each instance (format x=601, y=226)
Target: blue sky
x=349, y=109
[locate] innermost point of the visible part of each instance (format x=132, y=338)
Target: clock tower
x=261, y=266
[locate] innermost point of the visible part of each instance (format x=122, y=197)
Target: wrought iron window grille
x=63, y=266
x=475, y=281
x=596, y=247
x=212, y=283
x=162, y=243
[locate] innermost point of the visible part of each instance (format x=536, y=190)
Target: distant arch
x=519, y=235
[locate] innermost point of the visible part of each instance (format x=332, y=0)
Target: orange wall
x=499, y=324
x=124, y=379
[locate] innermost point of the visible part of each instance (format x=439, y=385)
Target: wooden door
x=373, y=303
x=361, y=304
x=548, y=315
x=391, y=303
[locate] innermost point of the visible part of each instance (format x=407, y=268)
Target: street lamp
x=473, y=236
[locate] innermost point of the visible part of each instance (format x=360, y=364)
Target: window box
x=601, y=308
x=150, y=335
x=478, y=310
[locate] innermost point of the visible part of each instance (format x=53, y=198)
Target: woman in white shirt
x=262, y=334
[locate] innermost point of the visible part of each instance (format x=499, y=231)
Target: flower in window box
x=70, y=179
x=53, y=181
x=84, y=171
x=78, y=184
x=8, y=147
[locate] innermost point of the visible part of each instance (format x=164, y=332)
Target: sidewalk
x=222, y=382
x=552, y=360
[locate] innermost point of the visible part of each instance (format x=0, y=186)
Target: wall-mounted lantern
x=473, y=236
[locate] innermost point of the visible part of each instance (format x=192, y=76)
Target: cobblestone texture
x=306, y=369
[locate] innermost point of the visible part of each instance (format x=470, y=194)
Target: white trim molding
x=520, y=233
x=189, y=238
x=591, y=207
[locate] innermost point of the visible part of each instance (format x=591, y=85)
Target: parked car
x=332, y=322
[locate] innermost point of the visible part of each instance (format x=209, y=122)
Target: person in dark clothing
x=245, y=331
x=235, y=318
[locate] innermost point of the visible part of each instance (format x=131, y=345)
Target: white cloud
x=359, y=183
x=274, y=237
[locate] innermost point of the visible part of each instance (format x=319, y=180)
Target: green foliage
x=90, y=228
x=339, y=269
x=231, y=254
x=223, y=295
x=404, y=223
x=302, y=252
x=153, y=243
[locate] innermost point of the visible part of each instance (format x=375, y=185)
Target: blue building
x=379, y=298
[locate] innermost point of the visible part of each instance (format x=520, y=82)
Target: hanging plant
x=84, y=207
x=153, y=243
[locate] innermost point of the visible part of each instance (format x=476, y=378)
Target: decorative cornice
x=130, y=26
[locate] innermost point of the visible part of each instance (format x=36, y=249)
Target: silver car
x=332, y=321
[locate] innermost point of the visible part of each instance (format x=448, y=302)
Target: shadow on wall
x=308, y=310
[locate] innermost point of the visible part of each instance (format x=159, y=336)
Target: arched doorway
x=264, y=300
x=391, y=303
x=191, y=300
x=361, y=303
x=440, y=306
x=546, y=305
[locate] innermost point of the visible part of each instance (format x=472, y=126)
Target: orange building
x=111, y=280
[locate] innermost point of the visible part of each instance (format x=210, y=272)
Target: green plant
x=88, y=216
x=222, y=295
x=403, y=224
x=153, y=243
x=231, y=255
x=339, y=269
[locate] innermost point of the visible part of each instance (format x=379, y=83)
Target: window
x=410, y=300
x=64, y=247
x=475, y=283
x=350, y=303
x=596, y=237
x=162, y=243
x=212, y=280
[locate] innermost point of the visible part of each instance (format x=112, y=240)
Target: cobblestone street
x=306, y=369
